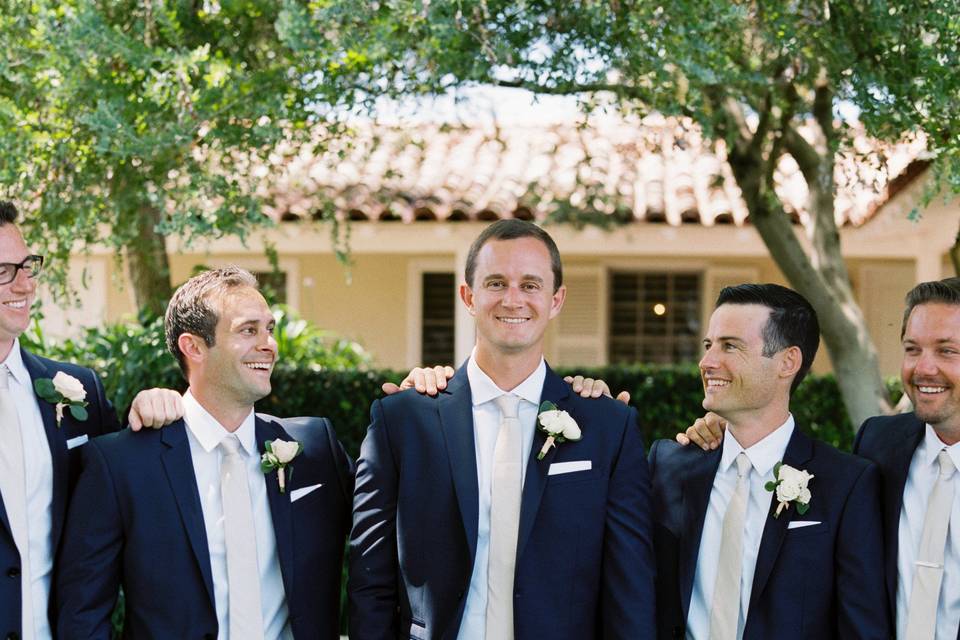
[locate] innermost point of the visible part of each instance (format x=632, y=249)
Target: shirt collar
x=764, y=454
x=932, y=445
x=209, y=432
x=16, y=366
x=483, y=389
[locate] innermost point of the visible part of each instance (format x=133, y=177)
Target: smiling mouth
x=716, y=384
x=513, y=320
x=258, y=366
x=929, y=388
x=16, y=304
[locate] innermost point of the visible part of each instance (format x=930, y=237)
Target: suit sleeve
x=862, y=610
x=87, y=574
x=858, y=441
x=627, y=583
x=372, y=586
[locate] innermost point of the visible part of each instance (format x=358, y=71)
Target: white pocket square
x=799, y=524
x=72, y=443
x=569, y=467
x=296, y=494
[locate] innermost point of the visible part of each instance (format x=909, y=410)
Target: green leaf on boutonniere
x=78, y=412
x=546, y=405
x=770, y=486
x=44, y=388
x=802, y=508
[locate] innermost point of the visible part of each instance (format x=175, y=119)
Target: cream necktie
x=725, y=610
x=244, y=616
x=13, y=488
x=504, y=520
x=928, y=568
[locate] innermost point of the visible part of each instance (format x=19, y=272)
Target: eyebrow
x=727, y=339
x=525, y=278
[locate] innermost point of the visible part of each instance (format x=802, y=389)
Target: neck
x=507, y=370
x=229, y=415
x=948, y=434
x=751, y=429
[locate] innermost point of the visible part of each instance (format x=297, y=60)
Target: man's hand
x=155, y=408
x=430, y=381
x=707, y=432
x=590, y=388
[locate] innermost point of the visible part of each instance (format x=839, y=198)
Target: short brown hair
x=946, y=291
x=8, y=213
x=192, y=311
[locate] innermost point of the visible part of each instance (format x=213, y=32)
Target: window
x=437, y=315
x=654, y=317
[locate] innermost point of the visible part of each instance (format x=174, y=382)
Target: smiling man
x=736, y=559
x=467, y=523
x=204, y=541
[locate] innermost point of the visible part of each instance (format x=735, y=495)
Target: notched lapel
x=897, y=468
x=799, y=451
x=279, y=504
x=697, y=486
x=178, y=465
x=456, y=421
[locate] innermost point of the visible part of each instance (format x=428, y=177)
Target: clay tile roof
x=657, y=169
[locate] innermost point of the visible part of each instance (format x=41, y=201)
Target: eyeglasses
x=30, y=264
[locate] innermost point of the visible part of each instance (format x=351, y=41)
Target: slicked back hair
x=8, y=213
x=792, y=322
x=193, y=307
x=946, y=291
x=512, y=229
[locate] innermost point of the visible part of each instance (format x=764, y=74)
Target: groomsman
x=918, y=456
x=460, y=529
x=773, y=534
x=39, y=455
x=206, y=542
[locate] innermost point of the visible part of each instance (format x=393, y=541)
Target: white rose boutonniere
x=790, y=485
x=558, y=425
x=277, y=458
x=65, y=392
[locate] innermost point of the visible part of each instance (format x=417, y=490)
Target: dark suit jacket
x=136, y=520
x=822, y=581
x=584, y=549
x=890, y=442
x=101, y=419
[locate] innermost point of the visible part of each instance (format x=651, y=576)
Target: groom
x=460, y=529
x=735, y=559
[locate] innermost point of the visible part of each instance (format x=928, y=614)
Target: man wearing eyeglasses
x=39, y=458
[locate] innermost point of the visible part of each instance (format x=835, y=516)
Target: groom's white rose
x=284, y=451
x=552, y=421
x=69, y=387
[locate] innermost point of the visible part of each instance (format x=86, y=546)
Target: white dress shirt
x=763, y=456
x=204, y=434
x=37, y=563
x=486, y=424
x=923, y=473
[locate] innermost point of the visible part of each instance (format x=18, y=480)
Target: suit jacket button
x=13, y=572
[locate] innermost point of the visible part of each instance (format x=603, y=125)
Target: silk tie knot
x=743, y=465
x=231, y=445
x=509, y=405
x=946, y=464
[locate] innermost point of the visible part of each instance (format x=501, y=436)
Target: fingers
x=683, y=439
x=155, y=408
x=430, y=381
x=389, y=388
x=414, y=380
x=707, y=432
x=624, y=397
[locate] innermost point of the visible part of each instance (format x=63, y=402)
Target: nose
x=512, y=297
x=926, y=364
x=708, y=361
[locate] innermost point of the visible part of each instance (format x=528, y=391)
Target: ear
x=466, y=295
x=556, y=303
x=791, y=359
x=193, y=348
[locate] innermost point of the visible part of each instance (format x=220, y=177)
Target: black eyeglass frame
x=32, y=264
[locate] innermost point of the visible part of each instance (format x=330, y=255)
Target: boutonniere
x=558, y=425
x=64, y=391
x=791, y=486
x=277, y=457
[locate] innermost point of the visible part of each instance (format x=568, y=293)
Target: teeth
x=717, y=383
x=16, y=304
x=931, y=389
x=258, y=365
x=513, y=320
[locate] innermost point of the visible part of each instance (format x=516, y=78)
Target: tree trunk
x=149, y=265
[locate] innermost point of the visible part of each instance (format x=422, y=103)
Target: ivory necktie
x=13, y=486
x=928, y=568
x=504, y=520
x=243, y=575
x=725, y=609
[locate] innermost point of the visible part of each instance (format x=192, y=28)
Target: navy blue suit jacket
x=136, y=520
x=66, y=465
x=821, y=581
x=584, y=550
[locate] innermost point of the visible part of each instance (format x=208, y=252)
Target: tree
x=753, y=75
x=125, y=122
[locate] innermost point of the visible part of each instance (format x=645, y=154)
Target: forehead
x=240, y=304
x=12, y=246
x=519, y=256
x=933, y=321
x=744, y=321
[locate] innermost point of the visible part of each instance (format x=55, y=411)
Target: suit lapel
x=697, y=486
x=799, y=451
x=535, y=481
x=57, y=443
x=178, y=465
x=279, y=504
x=456, y=421
x=896, y=470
